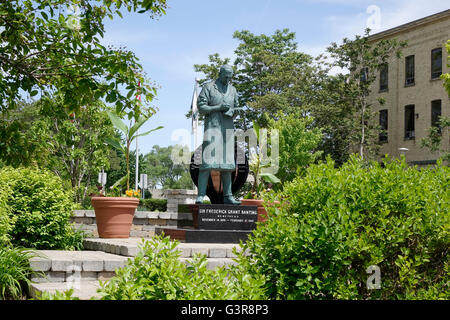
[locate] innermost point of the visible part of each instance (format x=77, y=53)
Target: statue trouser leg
x=227, y=194
x=203, y=176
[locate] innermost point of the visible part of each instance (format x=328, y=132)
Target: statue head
x=225, y=73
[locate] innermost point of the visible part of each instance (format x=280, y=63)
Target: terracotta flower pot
x=114, y=215
x=262, y=213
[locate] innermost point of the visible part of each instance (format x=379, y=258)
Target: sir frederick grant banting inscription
x=227, y=217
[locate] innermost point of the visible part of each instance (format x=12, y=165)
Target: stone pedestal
x=214, y=223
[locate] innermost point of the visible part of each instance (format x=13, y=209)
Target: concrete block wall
x=179, y=196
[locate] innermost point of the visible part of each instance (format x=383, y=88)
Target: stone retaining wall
x=144, y=222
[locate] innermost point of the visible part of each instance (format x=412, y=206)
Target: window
x=384, y=77
x=409, y=70
x=363, y=74
x=436, y=112
x=409, y=122
x=383, y=137
x=436, y=63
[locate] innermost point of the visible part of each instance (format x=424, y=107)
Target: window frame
x=410, y=81
x=383, y=137
x=384, y=68
x=434, y=119
x=410, y=134
x=435, y=74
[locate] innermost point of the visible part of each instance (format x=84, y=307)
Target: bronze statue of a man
x=218, y=101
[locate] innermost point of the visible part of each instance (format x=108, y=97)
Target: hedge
x=334, y=224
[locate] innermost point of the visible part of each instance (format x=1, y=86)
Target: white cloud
x=392, y=14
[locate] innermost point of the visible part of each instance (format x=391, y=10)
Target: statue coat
x=216, y=124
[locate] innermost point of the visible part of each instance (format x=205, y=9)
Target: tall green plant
x=15, y=272
x=130, y=133
x=260, y=168
x=298, y=143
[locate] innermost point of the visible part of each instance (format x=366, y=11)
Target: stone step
x=73, y=266
x=84, y=290
x=130, y=247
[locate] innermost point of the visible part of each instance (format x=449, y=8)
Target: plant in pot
x=263, y=178
x=114, y=215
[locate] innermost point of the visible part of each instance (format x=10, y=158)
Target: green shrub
x=333, y=224
x=153, y=204
x=41, y=209
x=15, y=272
x=157, y=273
x=6, y=221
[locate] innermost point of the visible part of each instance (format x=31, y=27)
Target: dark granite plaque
x=227, y=217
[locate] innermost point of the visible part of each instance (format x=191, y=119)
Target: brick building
x=414, y=93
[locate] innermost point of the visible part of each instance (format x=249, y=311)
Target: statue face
x=225, y=76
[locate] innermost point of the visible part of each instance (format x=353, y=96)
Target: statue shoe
x=230, y=200
x=199, y=200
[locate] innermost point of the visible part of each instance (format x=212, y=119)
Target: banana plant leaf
x=268, y=177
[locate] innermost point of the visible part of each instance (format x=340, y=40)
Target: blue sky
x=192, y=29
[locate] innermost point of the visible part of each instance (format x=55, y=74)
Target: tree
x=75, y=141
x=270, y=74
x=18, y=143
x=433, y=141
x=43, y=134
x=363, y=59
x=446, y=76
x=44, y=47
x=162, y=171
x=298, y=142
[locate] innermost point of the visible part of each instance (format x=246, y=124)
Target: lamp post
x=194, y=111
x=102, y=179
x=143, y=184
x=138, y=97
x=403, y=152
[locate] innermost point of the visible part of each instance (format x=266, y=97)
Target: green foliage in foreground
x=333, y=224
x=39, y=209
x=6, y=221
x=15, y=272
x=58, y=295
x=157, y=273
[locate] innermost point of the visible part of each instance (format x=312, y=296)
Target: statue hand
x=225, y=107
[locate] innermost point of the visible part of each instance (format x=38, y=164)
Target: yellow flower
x=129, y=193
x=137, y=193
